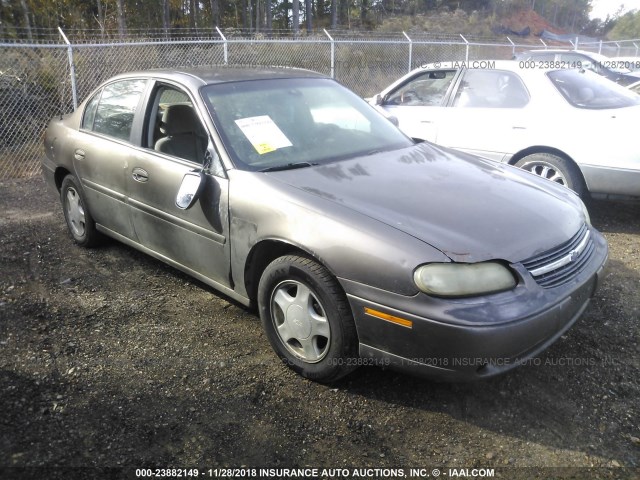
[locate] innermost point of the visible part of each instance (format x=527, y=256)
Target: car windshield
x=288, y=123
x=584, y=89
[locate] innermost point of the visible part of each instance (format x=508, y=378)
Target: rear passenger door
x=102, y=150
x=172, y=145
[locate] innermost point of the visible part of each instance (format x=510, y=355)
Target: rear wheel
x=79, y=220
x=554, y=168
x=307, y=318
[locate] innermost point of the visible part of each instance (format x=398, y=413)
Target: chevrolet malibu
x=357, y=245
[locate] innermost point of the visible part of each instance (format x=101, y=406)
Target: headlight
x=463, y=279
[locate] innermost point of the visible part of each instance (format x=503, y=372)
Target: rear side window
x=491, y=89
x=116, y=108
x=90, y=112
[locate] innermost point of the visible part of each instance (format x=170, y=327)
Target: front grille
x=558, y=266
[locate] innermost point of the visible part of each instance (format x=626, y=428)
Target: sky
x=602, y=8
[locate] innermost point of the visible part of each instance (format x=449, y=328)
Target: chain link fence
x=39, y=81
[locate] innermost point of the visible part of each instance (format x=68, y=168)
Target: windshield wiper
x=288, y=166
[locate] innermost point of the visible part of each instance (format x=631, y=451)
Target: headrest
x=179, y=119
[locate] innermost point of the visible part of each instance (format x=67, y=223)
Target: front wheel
x=554, y=168
x=307, y=318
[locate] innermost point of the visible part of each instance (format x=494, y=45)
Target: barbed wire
x=38, y=35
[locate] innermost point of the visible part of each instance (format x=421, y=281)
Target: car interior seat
x=185, y=137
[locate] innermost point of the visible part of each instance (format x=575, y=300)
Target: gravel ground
x=109, y=358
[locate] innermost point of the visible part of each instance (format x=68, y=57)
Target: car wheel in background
x=79, y=220
x=306, y=316
x=554, y=168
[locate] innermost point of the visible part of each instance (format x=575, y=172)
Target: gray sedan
x=358, y=246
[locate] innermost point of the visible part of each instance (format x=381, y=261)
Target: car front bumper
x=470, y=339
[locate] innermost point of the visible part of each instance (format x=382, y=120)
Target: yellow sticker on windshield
x=264, y=148
x=263, y=133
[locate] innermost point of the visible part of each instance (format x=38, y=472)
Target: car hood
x=469, y=208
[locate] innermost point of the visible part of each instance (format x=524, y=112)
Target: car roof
x=199, y=76
x=558, y=50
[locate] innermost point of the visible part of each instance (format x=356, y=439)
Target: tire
x=307, y=319
x=554, y=168
x=79, y=220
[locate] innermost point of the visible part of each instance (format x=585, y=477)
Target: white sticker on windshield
x=263, y=133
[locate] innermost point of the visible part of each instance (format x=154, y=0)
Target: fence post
x=618, y=52
x=224, y=46
x=72, y=69
x=410, y=50
x=513, y=47
x=577, y=42
x=466, y=55
x=333, y=53
x=636, y=45
x=600, y=47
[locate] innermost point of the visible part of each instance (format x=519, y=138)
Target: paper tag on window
x=263, y=133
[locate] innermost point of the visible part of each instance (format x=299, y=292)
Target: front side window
x=277, y=123
x=585, y=89
x=116, y=109
x=426, y=90
x=174, y=127
x=491, y=89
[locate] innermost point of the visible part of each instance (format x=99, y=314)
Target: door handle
x=140, y=175
x=78, y=154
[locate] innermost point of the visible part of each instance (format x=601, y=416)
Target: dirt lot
x=109, y=358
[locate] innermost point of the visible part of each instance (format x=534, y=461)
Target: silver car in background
x=358, y=246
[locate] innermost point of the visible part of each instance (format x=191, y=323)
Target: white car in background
x=570, y=126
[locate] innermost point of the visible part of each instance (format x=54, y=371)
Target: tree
x=364, y=7
x=122, y=24
x=166, y=17
x=627, y=26
x=295, y=17
x=308, y=14
x=27, y=22
x=334, y=14
x=269, y=14
x=100, y=17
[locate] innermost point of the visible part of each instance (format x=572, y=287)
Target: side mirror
x=189, y=188
x=378, y=99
